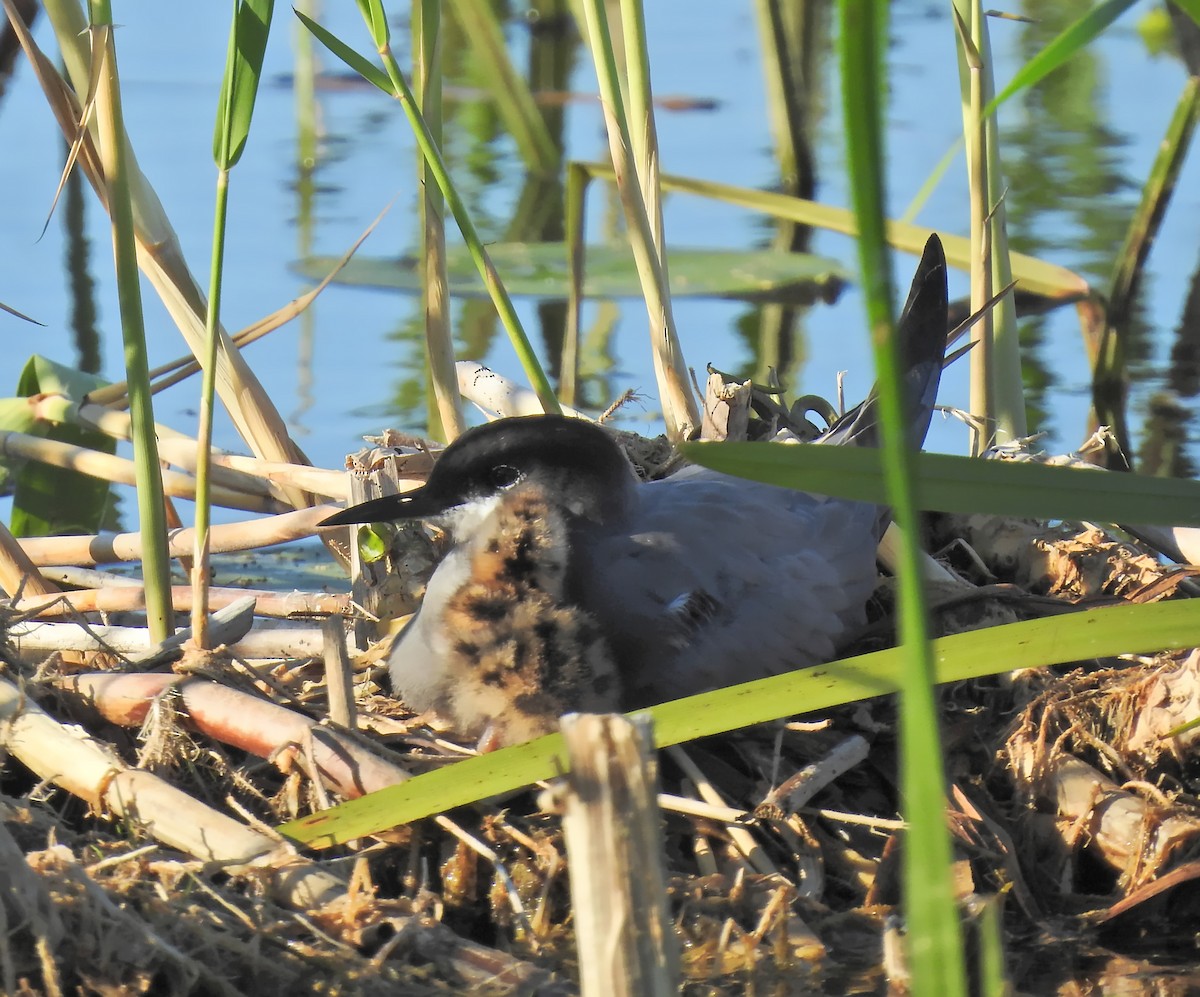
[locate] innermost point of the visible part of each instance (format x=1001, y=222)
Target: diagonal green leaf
x=1074, y=37
x=361, y=65
x=1189, y=7
x=1033, y=274
x=964, y=484
x=239, y=88
x=1031, y=644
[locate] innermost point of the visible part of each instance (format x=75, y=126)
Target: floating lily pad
x=539, y=269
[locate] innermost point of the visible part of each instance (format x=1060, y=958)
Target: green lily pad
x=539, y=269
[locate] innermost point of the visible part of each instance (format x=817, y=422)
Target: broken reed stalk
x=132, y=597
x=17, y=572
x=89, y=770
x=339, y=672
x=111, y=547
x=613, y=833
x=33, y=640
x=121, y=471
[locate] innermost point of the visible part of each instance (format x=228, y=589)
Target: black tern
x=570, y=586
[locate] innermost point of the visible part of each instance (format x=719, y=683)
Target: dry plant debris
x=138, y=855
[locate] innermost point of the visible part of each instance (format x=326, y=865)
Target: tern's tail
x=922, y=334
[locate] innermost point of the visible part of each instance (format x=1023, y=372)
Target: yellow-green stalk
x=156, y=567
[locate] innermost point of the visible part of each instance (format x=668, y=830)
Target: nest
x=1073, y=808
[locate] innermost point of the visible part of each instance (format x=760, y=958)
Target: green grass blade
x=364, y=67
x=239, y=87
x=1030, y=644
x=639, y=189
x=1070, y=41
x=934, y=941
x=964, y=485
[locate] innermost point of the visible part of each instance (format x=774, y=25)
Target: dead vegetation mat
x=1074, y=808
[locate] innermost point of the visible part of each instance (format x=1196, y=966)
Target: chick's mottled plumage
x=516, y=653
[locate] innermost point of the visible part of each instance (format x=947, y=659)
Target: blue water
x=335, y=374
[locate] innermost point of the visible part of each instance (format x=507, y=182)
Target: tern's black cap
x=583, y=458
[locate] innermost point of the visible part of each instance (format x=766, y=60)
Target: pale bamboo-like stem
x=1004, y=383
x=435, y=291
x=643, y=136
x=32, y=640
x=252, y=475
x=90, y=770
x=498, y=395
x=130, y=598
x=17, y=572
x=982, y=360
x=122, y=471
x=680, y=410
x=112, y=547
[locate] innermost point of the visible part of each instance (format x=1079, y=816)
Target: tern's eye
x=503, y=476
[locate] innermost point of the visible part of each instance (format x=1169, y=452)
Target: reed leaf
x=248, y=36
x=1070, y=42
x=239, y=86
x=993, y=651
x=962, y=484
x=934, y=940
x=49, y=499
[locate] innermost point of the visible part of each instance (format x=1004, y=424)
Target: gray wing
x=723, y=581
